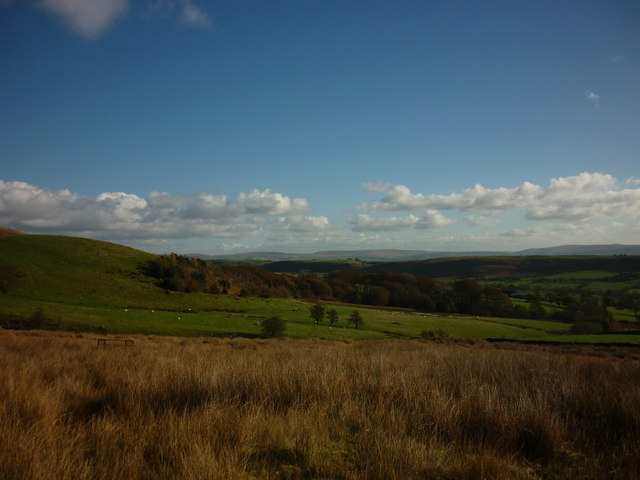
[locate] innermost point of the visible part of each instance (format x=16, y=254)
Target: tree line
x=385, y=288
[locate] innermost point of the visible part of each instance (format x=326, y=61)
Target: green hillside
x=76, y=270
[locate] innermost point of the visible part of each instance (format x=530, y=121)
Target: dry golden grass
x=171, y=408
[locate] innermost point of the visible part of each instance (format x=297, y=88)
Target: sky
x=228, y=126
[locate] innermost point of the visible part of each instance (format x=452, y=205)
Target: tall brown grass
x=171, y=408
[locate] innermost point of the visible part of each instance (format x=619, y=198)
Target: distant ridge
x=387, y=255
x=611, y=249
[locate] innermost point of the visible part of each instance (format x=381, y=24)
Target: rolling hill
x=390, y=255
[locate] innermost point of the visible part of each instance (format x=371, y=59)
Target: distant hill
x=383, y=255
x=611, y=249
x=386, y=255
x=300, y=266
x=252, y=256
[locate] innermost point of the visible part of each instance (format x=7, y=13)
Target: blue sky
x=217, y=127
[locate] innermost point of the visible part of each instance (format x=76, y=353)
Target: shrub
x=273, y=327
x=430, y=334
x=37, y=320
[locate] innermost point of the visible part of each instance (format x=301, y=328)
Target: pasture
x=213, y=315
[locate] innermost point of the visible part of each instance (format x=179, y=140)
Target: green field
x=86, y=285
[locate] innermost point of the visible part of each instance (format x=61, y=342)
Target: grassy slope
x=89, y=285
x=76, y=270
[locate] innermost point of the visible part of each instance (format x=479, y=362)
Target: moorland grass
x=308, y=409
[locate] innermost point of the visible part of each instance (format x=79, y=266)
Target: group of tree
x=318, y=312
x=276, y=326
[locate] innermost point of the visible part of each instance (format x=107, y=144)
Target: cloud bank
x=590, y=206
x=588, y=196
x=118, y=215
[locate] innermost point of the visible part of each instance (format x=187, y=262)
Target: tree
x=273, y=327
x=468, y=294
x=9, y=275
x=356, y=318
x=317, y=312
x=332, y=316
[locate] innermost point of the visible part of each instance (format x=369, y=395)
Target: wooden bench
x=114, y=342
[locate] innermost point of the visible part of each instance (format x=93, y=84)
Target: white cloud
x=300, y=223
x=520, y=233
x=378, y=187
x=114, y=215
x=633, y=181
x=194, y=16
x=592, y=96
x=481, y=221
x=432, y=220
x=270, y=203
x=230, y=247
x=587, y=196
x=89, y=18
x=478, y=198
x=126, y=206
x=367, y=223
